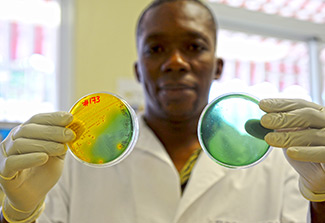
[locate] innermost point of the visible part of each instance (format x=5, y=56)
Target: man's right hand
x=31, y=162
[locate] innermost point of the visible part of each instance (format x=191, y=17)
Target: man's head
x=176, y=42
x=155, y=3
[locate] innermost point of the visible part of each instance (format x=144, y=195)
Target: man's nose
x=176, y=62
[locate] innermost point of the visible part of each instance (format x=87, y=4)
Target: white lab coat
x=145, y=188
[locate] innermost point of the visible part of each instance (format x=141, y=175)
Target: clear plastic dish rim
x=135, y=133
x=252, y=98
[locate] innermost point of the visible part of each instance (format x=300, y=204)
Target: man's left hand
x=300, y=130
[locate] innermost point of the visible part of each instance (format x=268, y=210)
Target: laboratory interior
x=53, y=52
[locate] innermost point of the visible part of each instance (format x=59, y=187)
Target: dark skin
x=317, y=212
x=176, y=67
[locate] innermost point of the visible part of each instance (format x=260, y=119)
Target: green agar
x=222, y=131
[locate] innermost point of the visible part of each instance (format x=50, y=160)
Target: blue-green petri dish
x=222, y=133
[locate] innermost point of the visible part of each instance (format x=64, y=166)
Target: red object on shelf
x=14, y=34
x=38, y=40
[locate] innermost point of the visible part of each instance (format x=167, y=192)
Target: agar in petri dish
x=222, y=133
x=106, y=129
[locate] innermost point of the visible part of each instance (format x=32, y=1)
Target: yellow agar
x=103, y=127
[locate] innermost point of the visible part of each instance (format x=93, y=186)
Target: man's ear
x=136, y=71
x=219, y=69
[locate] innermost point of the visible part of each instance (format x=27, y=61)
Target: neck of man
x=179, y=138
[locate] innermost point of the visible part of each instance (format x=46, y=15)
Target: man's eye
x=155, y=49
x=196, y=47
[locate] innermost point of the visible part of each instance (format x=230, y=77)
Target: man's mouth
x=176, y=87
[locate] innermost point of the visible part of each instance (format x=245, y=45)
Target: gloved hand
x=31, y=162
x=300, y=128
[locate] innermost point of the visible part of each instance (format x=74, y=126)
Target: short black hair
x=156, y=3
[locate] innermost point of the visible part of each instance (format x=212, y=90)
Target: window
x=278, y=52
x=29, y=34
x=265, y=67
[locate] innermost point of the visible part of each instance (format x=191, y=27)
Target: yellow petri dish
x=106, y=129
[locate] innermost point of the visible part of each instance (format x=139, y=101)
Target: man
x=176, y=65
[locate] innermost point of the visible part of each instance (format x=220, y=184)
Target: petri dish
x=222, y=133
x=106, y=129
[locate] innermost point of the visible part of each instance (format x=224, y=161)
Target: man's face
x=176, y=62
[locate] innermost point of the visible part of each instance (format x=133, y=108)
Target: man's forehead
x=177, y=36
x=185, y=17
x=184, y=9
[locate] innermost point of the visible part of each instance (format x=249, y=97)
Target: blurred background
x=52, y=52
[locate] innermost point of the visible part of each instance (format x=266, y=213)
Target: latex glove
x=300, y=128
x=31, y=162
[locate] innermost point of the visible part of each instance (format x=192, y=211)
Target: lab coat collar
x=205, y=174
x=149, y=143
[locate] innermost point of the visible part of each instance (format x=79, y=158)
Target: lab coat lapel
x=204, y=175
x=148, y=142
